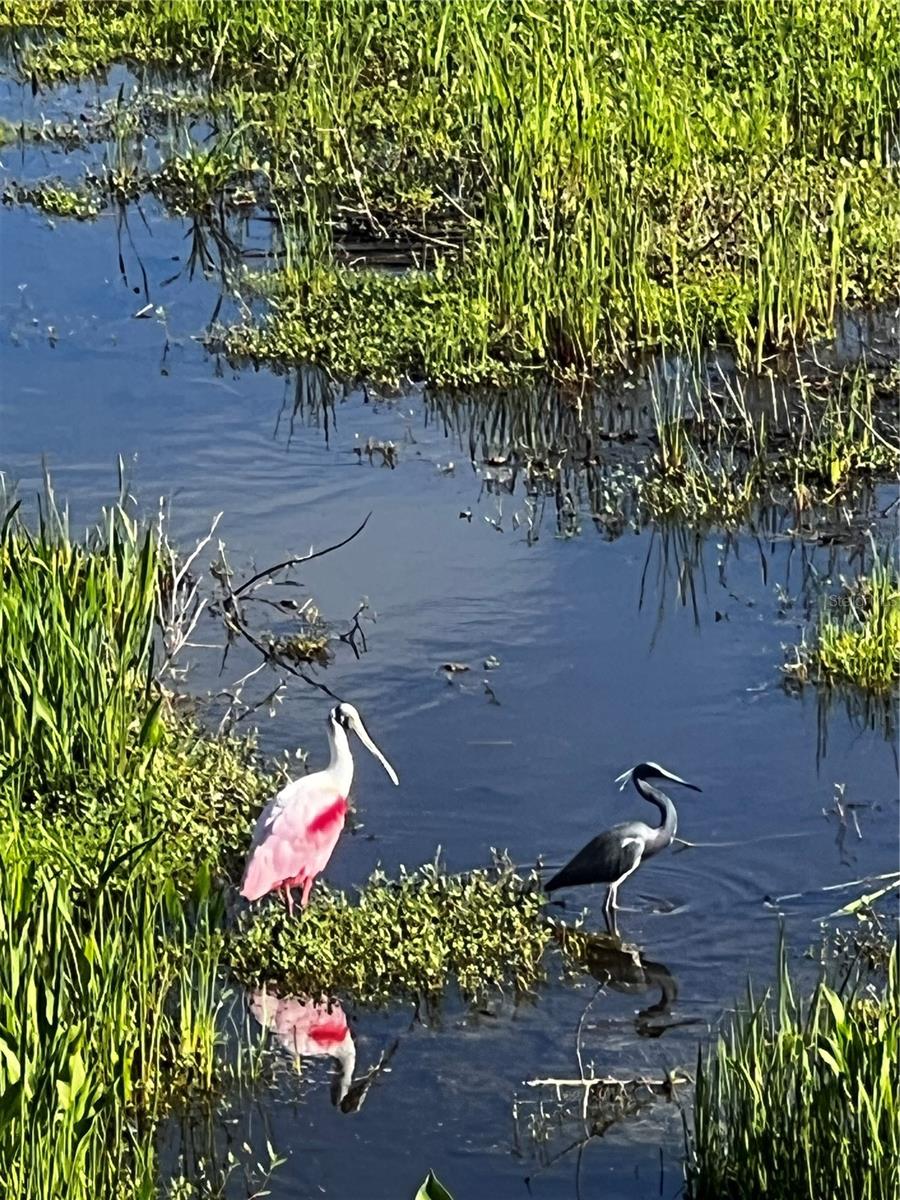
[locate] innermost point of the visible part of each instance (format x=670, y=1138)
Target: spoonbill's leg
x=289, y=899
x=307, y=888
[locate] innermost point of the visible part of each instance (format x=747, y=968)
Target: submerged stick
x=609, y=1081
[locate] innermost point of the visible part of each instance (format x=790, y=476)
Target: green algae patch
x=404, y=938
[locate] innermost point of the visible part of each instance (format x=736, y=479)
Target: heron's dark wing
x=604, y=859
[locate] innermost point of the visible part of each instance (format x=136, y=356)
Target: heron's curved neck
x=669, y=824
x=340, y=765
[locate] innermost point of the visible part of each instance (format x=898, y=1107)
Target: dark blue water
x=602, y=663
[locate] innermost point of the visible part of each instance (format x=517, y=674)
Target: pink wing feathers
x=302, y=1026
x=294, y=838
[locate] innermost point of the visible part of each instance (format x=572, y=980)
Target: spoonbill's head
x=347, y=718
x=652, y=770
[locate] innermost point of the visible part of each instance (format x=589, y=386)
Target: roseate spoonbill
x=299, y=827
x=308, y=1029
x=612, y=856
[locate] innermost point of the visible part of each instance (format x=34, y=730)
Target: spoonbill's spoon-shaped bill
x=354, y=722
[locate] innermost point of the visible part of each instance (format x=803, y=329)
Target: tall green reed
x=114, y=815
x=799, y=1100
x=76, y=648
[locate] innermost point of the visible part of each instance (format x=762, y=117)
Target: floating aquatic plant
x=399, y=938
x=56, y=199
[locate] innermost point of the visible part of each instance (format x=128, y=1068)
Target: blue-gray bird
x=612, y=856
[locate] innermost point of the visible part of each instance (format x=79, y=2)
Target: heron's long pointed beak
x=360, y=730
x=683, y=782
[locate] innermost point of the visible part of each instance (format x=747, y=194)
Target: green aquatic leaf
x=432, y=1189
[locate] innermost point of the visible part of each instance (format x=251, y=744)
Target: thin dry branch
x=293, y=562
x=665, y=1084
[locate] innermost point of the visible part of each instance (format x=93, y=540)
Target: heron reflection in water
x=308, y=1028
x=628, y=970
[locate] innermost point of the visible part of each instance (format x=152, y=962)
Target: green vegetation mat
x=564, y=180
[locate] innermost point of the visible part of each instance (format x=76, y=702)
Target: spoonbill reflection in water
x=612, y=856
x=309, y=1029
x=298, y=829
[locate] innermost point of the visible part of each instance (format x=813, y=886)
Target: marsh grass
x=593, y=178
x=115, y=816
x=809, y=446
x=848, y=433
x=104, y=1019
x=799, y=1099
x=856, y=637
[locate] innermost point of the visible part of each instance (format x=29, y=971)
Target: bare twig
x=356, y=630
x=293, y=562
x=180, y=604
x=665, y=1084
x=235, y=624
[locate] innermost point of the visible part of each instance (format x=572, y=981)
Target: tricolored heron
x=612, y=856
x=299, y=827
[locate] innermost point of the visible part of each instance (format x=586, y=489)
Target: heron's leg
x=607, y=903
x=307, y=888
x=613, y=894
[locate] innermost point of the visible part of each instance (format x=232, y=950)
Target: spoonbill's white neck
x=345, y=1057
x=340, y=765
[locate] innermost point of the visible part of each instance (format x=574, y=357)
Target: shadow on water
x=628, y=970
x=562, y=1116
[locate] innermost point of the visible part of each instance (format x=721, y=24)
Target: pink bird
x=309, y=1029
x=298, y=829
